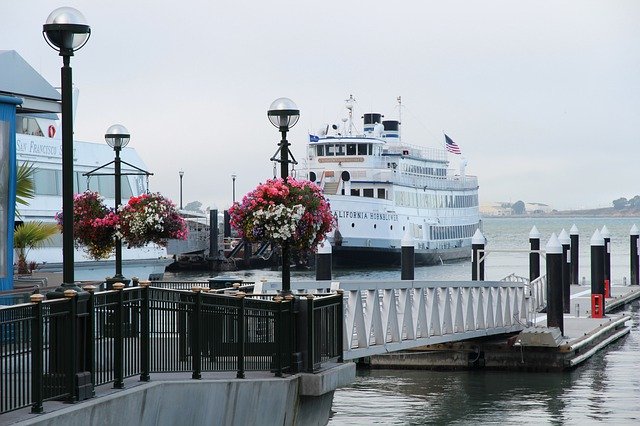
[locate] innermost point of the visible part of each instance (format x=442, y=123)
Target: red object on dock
x=607, y=288
x=597, y=306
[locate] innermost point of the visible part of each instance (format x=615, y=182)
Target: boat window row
x=423, y=170
x=434, y=201
x=368, y=192
x=452, y=232
x=339, y=149
x=49, y=182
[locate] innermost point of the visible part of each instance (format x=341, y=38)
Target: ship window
x=28, y=126
x=331, y=150
x=367, y=192
x=355, y=192
x=370, y=148
x=362, y=149
x=351, y=149
x=381, y=193
x=46, y=182
x=353, y=225
x=391, y=227
x=375, y=226
x=320, y=149
x=339, y=149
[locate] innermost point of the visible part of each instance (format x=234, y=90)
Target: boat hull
x=348, y=257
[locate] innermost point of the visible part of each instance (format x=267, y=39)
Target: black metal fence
x=62, y=348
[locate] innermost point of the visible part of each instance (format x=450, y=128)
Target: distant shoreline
x=602, y=212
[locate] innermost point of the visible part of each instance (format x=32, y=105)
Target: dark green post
x=340, y=331
x=534, y=254
x=310, y=334
x=241, y=334
x=91, y=336
x=118, y=343
x=36, y=354
x=279, y=334
x=72, y=299
x=477, y=256
x=284, y=114
x=565, y=241
x=633, y=252
x=144, y=332
x=196, y=352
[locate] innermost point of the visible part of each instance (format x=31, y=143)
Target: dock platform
x=537, y=348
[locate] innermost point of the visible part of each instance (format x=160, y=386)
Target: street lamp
x=284, y=114
x=117, y=137
x=233, y=178
x=181, y=173
x=66, y=31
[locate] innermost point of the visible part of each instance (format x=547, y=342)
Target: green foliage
x=519, y=207
x=30, y=235
x=620, y=203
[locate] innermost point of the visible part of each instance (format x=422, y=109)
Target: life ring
x=52, y=131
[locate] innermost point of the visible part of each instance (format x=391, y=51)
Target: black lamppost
x=181, y=173
x=284, y=114
x=117, y=137
x=233, y=179
x=66, y=31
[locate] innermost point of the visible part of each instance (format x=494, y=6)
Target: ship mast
x=399, y=118
x=349, y=104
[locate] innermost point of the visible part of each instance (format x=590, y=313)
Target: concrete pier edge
x=300, y=399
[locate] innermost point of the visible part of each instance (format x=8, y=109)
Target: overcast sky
x=543, y=97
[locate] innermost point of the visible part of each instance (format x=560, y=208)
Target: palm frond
x=25, y=188
x=30, y=235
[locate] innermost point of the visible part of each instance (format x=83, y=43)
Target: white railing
x=535, y=291
x=383, y=317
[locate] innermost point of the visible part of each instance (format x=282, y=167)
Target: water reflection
x=605, y=388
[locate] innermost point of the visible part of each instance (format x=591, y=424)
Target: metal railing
x=138, y=331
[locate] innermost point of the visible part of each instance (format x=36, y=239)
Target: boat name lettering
x=34, y=148
x=346, y=214
x=341, y=160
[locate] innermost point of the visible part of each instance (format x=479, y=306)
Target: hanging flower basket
x=294, y=212
x=150, y=218
x=94, y=225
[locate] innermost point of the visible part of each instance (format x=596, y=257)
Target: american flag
x=451, y=146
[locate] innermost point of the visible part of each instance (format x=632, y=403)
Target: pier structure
x=250, y=330
x=182, y=337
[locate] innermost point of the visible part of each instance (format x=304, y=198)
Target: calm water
x=605, y=389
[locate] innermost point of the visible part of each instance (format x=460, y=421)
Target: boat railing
x=434, y=154
x=427, y=182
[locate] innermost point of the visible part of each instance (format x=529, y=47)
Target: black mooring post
x=407, y=257
x=575, y=251
x=324, y=261
x=564, y=239
x=606, y=235
x=555, y=316
x=213, y=234
x=597, y=275
x=634, y=234
x=477, y=253
x=534, y=255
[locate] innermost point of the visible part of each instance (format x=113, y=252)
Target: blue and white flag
x=314, y=138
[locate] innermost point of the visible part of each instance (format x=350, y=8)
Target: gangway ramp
x=381, y=317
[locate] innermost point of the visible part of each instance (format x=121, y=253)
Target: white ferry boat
x=380, y=188
x=38, y=142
